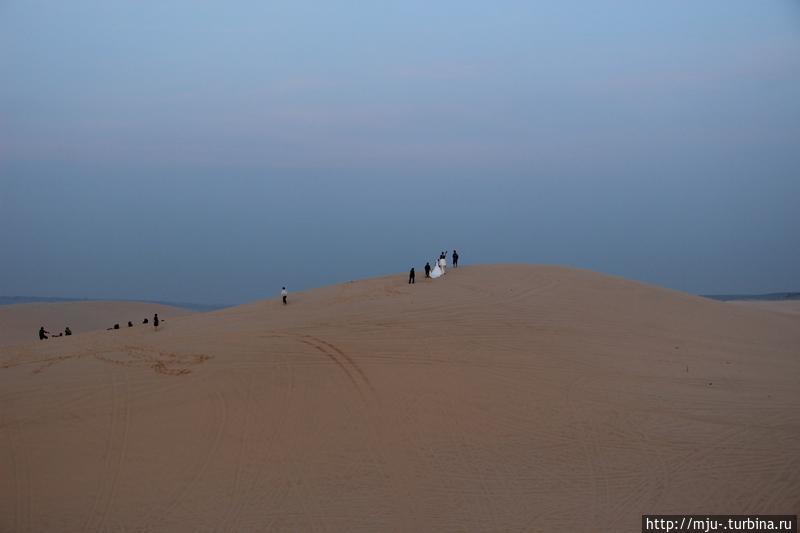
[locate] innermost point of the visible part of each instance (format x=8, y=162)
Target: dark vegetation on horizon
x=773, y=296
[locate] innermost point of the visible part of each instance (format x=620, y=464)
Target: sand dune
x=21, y=322
x=498, y=398
x=779, y=306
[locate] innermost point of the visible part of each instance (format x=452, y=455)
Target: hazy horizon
x=9, y=299
x=197, y=152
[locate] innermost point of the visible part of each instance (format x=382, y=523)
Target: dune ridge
x=499, y=397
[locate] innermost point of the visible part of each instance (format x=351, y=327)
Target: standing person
x=455, y=259
x=284, y=295
x=443, y=264
x=155, y=321
x=428, y=269
x=411, y=276
x=42, y=333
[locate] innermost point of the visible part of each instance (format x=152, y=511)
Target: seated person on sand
x=145, y=321
x=42, y=333
x=67, y=331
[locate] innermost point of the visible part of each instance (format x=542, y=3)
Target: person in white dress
x=436, y=272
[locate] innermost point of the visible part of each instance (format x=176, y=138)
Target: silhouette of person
x=155, y=321
x=284, y=295
x=116, y=326
x=455, y=259
x=42, y=333
x=67, y=331
x=130, y=324
x=427, y=269
x=145, y=321
x=411, y=276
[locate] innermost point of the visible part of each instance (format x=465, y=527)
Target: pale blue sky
x=214, y=151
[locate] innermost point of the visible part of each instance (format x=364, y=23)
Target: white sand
x=498, y=398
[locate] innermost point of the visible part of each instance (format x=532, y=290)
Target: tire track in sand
x=366, y=391
x=181, y=491
x=98, y=495
x=22, y=479
x=344, y=363
x=120, y=415
x=295, y=478
x=371, y=402
x=123, y=448
x=263, y=452
x=347, y=358
x=589, y=448
x=232, y=516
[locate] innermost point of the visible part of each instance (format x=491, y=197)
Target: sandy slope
x=496, y=398
x=778, y=306
x=21, y=322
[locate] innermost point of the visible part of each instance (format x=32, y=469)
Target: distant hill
x=11, y=300
x=773, y=296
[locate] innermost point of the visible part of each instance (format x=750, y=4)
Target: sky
x=212, y=152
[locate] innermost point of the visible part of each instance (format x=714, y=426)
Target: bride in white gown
x=436, y=272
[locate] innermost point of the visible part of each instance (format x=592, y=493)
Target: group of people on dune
x=438, y=270
x=43, y=333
